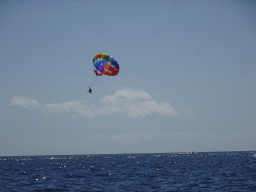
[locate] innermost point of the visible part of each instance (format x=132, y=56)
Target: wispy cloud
x=126, y=101
x=25, y=102
x=188, y=111
x=135, y=137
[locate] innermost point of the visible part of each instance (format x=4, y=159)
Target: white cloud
x=128, y=95
x=75, y=107
x=126, y=101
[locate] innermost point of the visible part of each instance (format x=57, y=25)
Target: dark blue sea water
x=218, y=171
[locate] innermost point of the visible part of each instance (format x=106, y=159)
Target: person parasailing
x=90, y=90
x=104, y=65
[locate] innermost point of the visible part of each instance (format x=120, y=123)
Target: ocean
x=209, y=171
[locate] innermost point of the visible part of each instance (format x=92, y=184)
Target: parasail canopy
x=105, y=64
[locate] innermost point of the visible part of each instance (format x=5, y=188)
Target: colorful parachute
x=105, y=64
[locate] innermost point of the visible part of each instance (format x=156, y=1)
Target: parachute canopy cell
x=105, y=64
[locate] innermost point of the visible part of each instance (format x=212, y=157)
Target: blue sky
x=186, y=83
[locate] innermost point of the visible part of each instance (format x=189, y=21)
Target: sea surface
x=211, y=171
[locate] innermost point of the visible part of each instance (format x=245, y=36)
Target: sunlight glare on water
x=213, y=171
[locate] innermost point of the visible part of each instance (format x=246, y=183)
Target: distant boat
x=193, y=152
